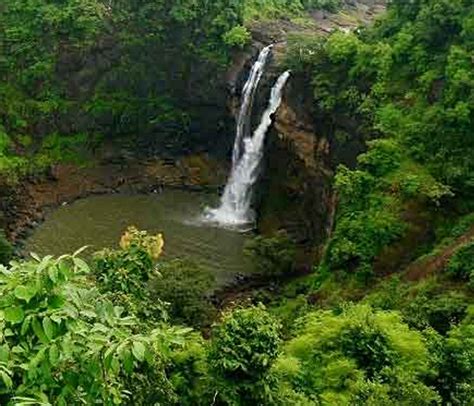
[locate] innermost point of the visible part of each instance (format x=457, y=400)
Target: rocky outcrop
x=295, y=193
x=353, y=14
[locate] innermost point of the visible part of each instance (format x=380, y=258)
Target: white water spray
x=235, y=208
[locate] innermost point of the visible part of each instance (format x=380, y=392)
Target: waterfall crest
x=235, y=207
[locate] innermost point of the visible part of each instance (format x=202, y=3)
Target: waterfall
x=235, y=208
x=248, y=94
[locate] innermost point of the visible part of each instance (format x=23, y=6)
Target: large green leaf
x=4, y=353
x=81, y=265
x=6, y=379
x=14, y=314
x=48, y=327
x=25, y=293
x=138, y=350
x=38, y=329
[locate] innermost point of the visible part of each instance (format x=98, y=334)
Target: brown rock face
x=296, y=188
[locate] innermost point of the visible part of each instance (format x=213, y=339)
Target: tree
x=356, y=355
x=243, y=349
x=62, y=342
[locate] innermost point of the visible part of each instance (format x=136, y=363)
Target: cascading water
x=248, y=94
x=235, y=208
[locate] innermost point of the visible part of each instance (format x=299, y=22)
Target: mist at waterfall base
x=235, y=209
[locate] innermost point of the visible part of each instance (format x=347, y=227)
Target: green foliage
x=186, y=287
x=372, y=200
x=190, y=373
x=267, y=9
x=456, y=368
x=243, y=349
x=360, y=356
x=272, y=256
x=61, y=342
x=6, y=249
x=437, y=311
x=408, y=83
x=409, y=78
x=238, y=36
x=124, y=274
x=461, y=265
x=75, y=69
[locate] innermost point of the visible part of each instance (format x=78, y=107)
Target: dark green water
x=99, y=222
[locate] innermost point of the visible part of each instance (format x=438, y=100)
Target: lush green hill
x=74, y=72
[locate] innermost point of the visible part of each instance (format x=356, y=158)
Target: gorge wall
x=304, y=147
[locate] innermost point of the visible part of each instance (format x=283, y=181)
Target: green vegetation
x=273, y=257
x=360, y=356
x=186, y=287
x=268, y=9
x=72, y=334
x=243, y=348
x=62, y=342
x=461, y=265
x=406, y=86
x=74, y=72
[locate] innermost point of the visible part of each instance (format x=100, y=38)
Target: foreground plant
x=62, y=343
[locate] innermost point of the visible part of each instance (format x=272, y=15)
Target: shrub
x=244, y=346
x=272, y=257
x=456, y=369
x=124, y=274
x=63, y=343
x=238, y=37
x=336, y=357
x=127, y=269
x=186, y=288
x=190, y=373
x=461, y=265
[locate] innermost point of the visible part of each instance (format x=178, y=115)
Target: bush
x=272, y=257
x=63, y=343
x=189, y=373
x=244, y=346
x=456, y=369
x=440, y=312
x=124, y=274
x=336, y=357
x=461, y=265
x=186, y=288
x=238, y=36
x=6, y=249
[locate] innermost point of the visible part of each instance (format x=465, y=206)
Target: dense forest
x=384, y=316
